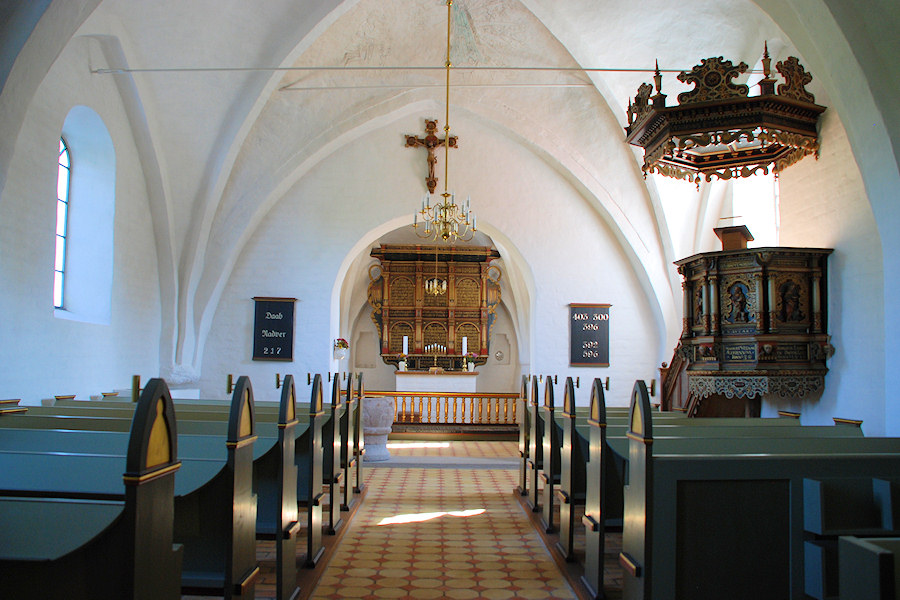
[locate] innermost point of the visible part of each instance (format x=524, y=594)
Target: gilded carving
x=713, y=80
x=791, y=302
x=434, y=333
x=402, y=292
x=796, y=79
x=739, y=301
x=395, y=339
x=468, y=292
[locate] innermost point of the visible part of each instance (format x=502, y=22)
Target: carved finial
x=796, y=78
x=713, y=80
x=657, y=78
x=766, y=84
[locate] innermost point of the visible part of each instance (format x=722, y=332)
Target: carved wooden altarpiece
x=400, y=306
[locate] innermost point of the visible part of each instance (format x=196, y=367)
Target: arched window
x=85, y=222
x=62, y=219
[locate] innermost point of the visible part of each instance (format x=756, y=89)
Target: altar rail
x=445, y=408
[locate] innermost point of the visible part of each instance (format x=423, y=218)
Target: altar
x=448, y=382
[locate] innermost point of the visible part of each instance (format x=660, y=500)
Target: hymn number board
x=589, y=335
x=273, y=329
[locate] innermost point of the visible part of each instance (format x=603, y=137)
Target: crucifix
x=431, y=141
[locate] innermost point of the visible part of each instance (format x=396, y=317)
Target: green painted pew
x=332, y=474
x=835, y=508
x=345, y=437
x=550, y=471
x=359, y=444
x=535, y=459
x=103, y=549
x=349, y=437
x=574, y=455
x=869, y=568
x=725, y=518
x=604, y=500
x=524, y=418
x=211, y=419
x=214, y=500
x=274, y=473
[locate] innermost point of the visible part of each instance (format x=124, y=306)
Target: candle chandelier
x=436, y=286
x=446, y=221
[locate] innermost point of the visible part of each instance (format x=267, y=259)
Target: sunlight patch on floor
x=421, y=517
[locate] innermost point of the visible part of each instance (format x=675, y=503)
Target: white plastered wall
x=43, y=355
x=824, y=204
x=300, y=245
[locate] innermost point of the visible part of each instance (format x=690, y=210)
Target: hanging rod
x=376, y=68
x=292, y=88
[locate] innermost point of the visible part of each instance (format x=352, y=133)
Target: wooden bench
x=524, y=422
x=359, y=443
x=215, y=508
x=210, y=416
x=332, y=473
x=608, y=437
x=869, y=568
x=574, y=457
x=843, y=507
x=711, y=518
x=349, y=438
x=550, y=470
x=100, y=548
x=535, y=459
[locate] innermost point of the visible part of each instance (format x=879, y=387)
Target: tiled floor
x=440, y=520
x=441, y=533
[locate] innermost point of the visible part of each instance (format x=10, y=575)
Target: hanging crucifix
x=431, y=141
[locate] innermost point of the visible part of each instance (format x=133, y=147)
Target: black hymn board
x=589, y=335
x=273, y=329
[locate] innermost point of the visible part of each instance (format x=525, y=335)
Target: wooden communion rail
x=441, y=408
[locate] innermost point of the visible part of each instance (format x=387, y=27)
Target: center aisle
x=442, y=523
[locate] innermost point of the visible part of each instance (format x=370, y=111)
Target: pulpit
x=755, y=324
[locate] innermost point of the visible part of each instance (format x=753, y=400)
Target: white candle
x=465, y=344
x=405, y=344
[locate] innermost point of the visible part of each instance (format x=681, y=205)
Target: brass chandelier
x=446, y=221
x=718, y=130
x=436, y=286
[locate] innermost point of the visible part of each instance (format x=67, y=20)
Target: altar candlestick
x=405, y=344
x=465, y=344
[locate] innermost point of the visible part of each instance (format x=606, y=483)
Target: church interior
x=470, y=197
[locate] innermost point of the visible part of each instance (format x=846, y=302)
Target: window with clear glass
x=62, y=218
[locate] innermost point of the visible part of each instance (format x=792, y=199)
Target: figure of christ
x=430, y=142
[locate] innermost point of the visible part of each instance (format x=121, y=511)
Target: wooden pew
x=215, y=508
x=604, y=498
x=550, y=471
x=869, y=568
x=359, y=443
x=524, y=417
x=535, y=459
x=275, y=486
x=706, y=518
x=93, y=548
x=332, y=474
x=839, y=507
x=348, y=437
x=10, y=406
x=217, y=523
x=574, y=456
x=210, y=418
x=308, y=458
